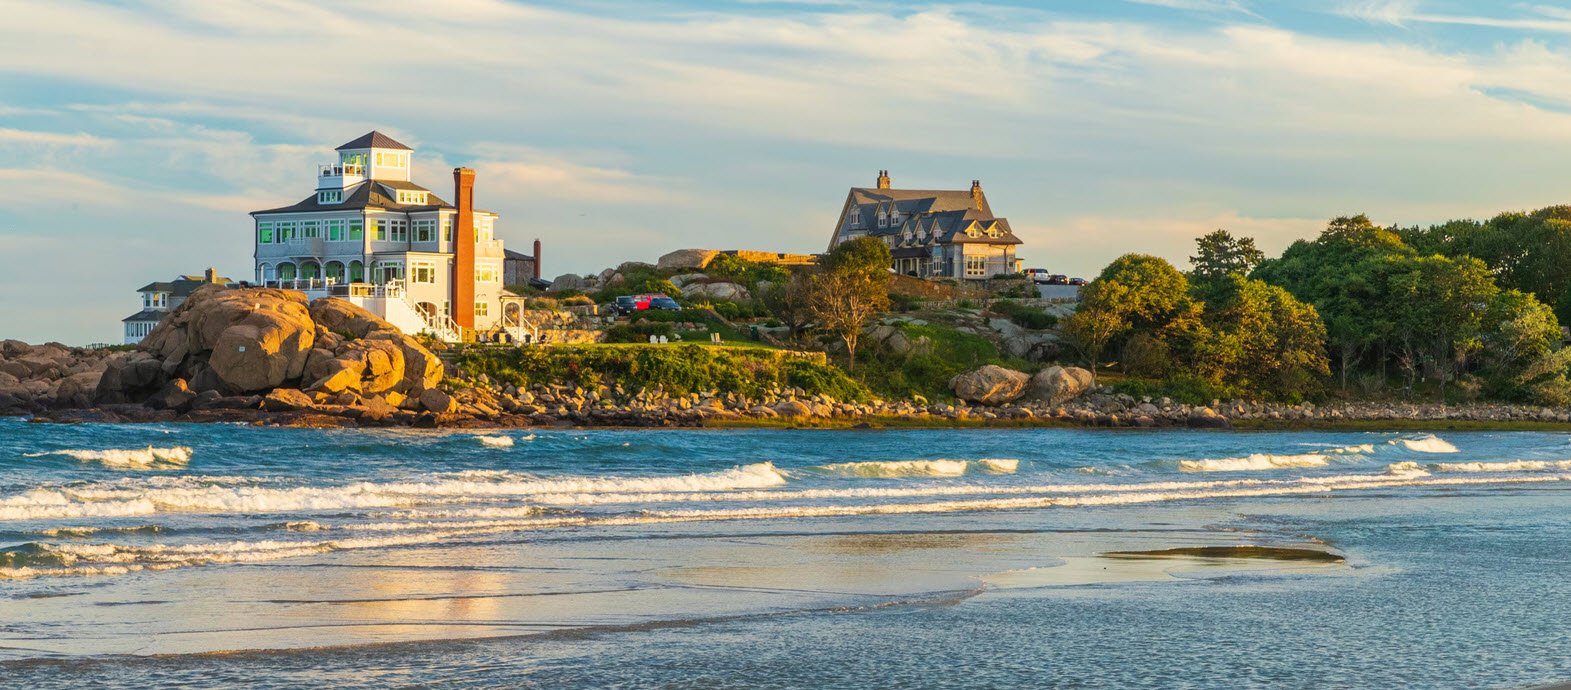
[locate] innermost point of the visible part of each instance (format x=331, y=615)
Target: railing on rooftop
x=340, y=170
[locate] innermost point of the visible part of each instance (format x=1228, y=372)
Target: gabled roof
x=510, y=254
x=182, y=286
x=934, y=212
x=374, y=140
x=367, y=194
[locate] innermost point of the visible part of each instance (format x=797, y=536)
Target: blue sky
x=135, y=136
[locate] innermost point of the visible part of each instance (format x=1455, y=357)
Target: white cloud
x=731, y=129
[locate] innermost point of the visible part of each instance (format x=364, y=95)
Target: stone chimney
x=464, y=247
x=537, y=258
x=883, y=179
x=976, y=194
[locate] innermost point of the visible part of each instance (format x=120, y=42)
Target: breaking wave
x=1319, y=458
x=116, y=500
x=892, y=469
x=150, y=456
x=495, y=441
x=1507, y=466
x=1258, y=461
x=1426, y=444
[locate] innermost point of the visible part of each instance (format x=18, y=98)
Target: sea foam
x=495, y=441
x=1255, y=462
x=139, y=458
x=894, y=469
x=119, y=500
x=1426, y=444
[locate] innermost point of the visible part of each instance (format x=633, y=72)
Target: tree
x=1439, y=306
x=1262, y=339
x=1098, y=320
x=1220, y=254
x=864, y=254
x=787, y=300
x=843, y=301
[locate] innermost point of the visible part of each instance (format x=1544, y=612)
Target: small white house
x=158, y=299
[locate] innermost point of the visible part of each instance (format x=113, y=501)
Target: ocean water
x=224, y=556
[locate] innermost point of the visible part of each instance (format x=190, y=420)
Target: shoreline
x=328, y=420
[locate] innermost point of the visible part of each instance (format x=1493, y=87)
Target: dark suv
x=626, y=304
x=663, y=302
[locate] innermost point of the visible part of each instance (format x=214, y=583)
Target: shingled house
x=932, y=233
x=159, y=298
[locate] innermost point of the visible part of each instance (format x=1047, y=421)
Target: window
x=856, y=218
x=335, y=230
x=485, y=273
x=883, y=221
x=155, y=300
x=264, y=232
x=422, y=272
x=332, y=197
x=378, y=229
x=356, y=230
x=976, y=266
x=310, y=230
x=447, y=229
x=286, y=231
x=425, y=230
x=398, y=230
x=482, y=309
x=390, y=270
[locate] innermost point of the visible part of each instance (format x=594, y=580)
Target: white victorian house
x=369, y=234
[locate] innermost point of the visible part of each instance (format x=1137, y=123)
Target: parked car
x=1036, y=275
x=627, y=304
x=1057, y=279
x=662, y=302
x=1077, y=281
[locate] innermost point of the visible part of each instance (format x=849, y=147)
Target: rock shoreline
x=557, y=406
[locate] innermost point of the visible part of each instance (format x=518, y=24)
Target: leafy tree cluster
x=1221, y=328
x=1389, y=300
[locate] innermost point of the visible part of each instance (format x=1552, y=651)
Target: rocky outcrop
x=50, y=376
x=990, y=385
x=696, y=259
x=567, y=281
x=730, y=292
x=234, y=342
x=1059, y=385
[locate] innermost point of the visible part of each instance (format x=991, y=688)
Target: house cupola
x=372, y=156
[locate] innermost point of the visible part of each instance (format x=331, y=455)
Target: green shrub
x=637, y=332
x=1184, y=388
x=679, y=369
x=1025, y=316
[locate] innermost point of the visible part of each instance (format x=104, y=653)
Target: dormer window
x=856, y=218
x=883, y=220
x=330, y=197
x=155, y=300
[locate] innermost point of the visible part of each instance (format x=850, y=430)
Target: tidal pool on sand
x=219, y=555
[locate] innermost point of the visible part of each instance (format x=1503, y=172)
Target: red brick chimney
x=883, y=179
x=464, y=247
x=537, y=258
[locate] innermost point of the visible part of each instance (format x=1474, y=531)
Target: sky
x=135, y=136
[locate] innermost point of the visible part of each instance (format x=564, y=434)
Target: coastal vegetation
x=1457, y=311
x=675, y=369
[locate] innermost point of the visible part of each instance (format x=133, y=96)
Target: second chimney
x=464, y=247
x=883, y=179
x=537, y=258
x=976, y=194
